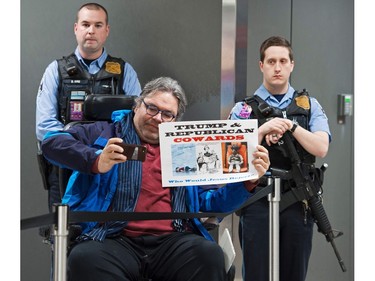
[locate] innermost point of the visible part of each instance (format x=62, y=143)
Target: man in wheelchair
x=104, y=179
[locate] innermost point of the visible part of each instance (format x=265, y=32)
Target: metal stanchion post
x=60, y=242
x=274, y=200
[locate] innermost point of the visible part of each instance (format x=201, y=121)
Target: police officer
x=303, y=116
x=66, y=83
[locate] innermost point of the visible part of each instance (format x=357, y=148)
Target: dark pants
x=172, y=257
x=296, y=230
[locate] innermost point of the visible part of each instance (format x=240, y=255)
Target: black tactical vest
x=298, y=111
x=76, y=84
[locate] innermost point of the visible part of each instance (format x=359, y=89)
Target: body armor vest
x=298, y=111
x=76, y=84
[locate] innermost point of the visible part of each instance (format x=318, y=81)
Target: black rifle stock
x=307, y=189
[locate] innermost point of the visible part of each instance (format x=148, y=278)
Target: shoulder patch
x=245, y=111
x=240, y=111
x=303, y=101
x=113, y=67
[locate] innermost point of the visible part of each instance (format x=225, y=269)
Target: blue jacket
x=77, y=149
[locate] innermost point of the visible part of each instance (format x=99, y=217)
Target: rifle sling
x=290, y=197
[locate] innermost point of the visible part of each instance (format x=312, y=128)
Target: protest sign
x=207, y=152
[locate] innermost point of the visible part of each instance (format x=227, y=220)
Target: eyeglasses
x=153, y=110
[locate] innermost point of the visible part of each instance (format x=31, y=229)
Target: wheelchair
x=100, y=108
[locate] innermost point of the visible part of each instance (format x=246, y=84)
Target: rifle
x=308, y=179
x=310, y=190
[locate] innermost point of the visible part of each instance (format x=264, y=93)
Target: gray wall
x=322, y=35
x=182, y=39
x=323, y=38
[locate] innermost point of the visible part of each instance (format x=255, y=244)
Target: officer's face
x=147, y=126
x=91, y=32
x=276, y=68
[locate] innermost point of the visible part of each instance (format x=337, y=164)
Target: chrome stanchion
x=274, y=200
x=60, y=233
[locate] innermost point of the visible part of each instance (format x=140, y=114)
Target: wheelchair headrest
x=100, y=107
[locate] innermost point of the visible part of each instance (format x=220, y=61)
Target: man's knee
x=92, y=260
x=85, y=259
x=80, y=259
x=211, y=254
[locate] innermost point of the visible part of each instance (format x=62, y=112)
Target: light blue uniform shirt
x=47, y=115
x=318, y=119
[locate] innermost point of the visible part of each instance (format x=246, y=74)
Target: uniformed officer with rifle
x=283, y=112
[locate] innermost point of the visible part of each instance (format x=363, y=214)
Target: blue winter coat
x=78, y=147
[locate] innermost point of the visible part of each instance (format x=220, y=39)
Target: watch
x=293, y=127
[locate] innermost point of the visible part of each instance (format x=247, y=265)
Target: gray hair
x=165, y=84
